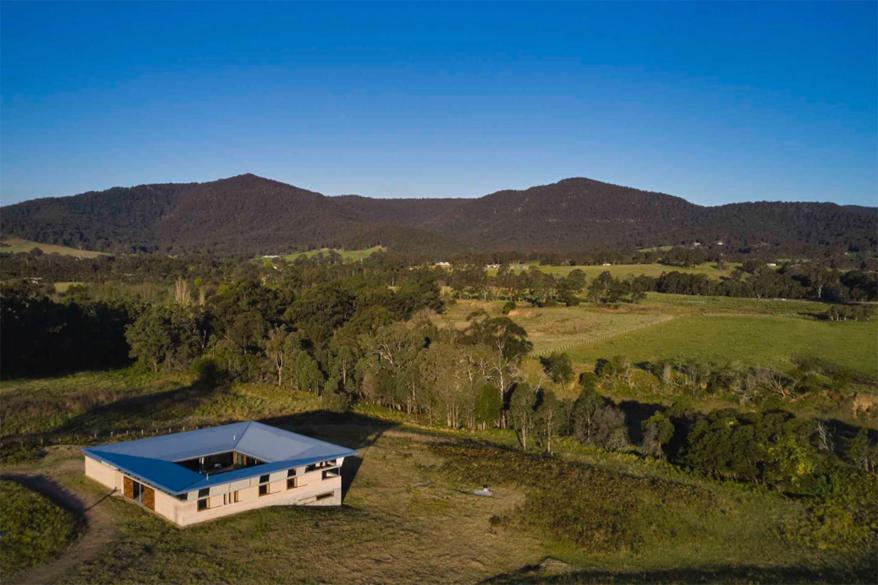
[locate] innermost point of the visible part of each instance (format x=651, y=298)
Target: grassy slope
x=33, y=529
x=409, y=517
x=14, y=245
x=347, y=255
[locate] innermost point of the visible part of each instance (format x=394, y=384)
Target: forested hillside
x=252, y=215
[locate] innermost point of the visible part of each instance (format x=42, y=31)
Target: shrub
x=558, y=367
x=208, y=371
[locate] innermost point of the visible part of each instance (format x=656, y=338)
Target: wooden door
x=149, y=497
x=128, y=487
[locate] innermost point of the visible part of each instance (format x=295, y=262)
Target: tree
x=557, y=366
x=547, y=418
x=608, y=427
x=275, y=350
x=584, y=409
x=521, y=412
x=163, y=338
x=658, y=430
x=306, y=373
x=508, y=342
x=488, y=405
x=392, y=356
x=862, y=453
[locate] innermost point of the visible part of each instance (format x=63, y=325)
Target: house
x=208, y=473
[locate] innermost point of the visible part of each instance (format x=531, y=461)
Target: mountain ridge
x=252, y=214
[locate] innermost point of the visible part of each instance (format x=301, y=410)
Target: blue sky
x=715, y=102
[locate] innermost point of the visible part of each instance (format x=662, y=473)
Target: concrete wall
x=310, y=485
x=103, y=474
x=184, y=512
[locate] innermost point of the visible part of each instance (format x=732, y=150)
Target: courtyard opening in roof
x=199, y=475
x=220, y=462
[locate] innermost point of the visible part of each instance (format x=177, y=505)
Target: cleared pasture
x=764, y=340
x=627, y=270
x=15, y=245
x=347, y=255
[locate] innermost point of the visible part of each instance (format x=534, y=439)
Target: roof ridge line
x=243, y=432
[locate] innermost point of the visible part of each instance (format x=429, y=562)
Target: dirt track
x=96, y=528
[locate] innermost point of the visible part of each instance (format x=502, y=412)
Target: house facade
x=205, y=474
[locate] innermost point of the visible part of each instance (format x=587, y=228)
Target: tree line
x=753, y=280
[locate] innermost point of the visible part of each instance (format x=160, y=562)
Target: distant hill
x=253, y=215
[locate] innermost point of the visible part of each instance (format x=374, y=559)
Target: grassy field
x=347, y=255
x=628, y=270
x=15, y=245
x=722, y=330
x=33, y=529
x=748, y=339
x=409, y=516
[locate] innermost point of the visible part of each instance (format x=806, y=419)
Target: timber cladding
x=149, y=497
x=128, y=487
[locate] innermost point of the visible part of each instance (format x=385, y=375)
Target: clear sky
x=715, y=102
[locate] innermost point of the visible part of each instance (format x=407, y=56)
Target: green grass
x=347, y=255
x=689, y=304
x=748, y=339
x=628, y=270
x=409, y=516
x=15, y=245
x=33, y=529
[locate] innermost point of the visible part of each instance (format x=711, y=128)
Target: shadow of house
x=141, y=411
x=349, y=429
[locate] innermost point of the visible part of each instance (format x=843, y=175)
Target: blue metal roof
x=153, y=460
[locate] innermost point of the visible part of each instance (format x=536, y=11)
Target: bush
x=844, y=519
x=508, y=307
x=208, y=371
x=558, y=367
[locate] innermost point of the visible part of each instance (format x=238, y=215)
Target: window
x=203, y=499
x=236, y=497
x=325, y=496
x=263, y=485
x=291, y=473
x=320, y=465
x=137, y=493
x=292, y=483
x=330, y=473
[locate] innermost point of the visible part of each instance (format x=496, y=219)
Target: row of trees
x=756, y=280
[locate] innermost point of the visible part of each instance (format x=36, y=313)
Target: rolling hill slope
x=253, y=215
